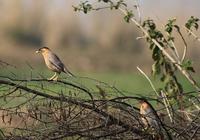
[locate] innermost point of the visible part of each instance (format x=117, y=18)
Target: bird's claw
x=54, y=78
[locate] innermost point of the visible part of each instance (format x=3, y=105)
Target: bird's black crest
x=44, y=48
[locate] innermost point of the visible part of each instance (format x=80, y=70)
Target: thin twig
x=166, y=106
x=140, y=37
x=175, y=51
x=195, y=104
x=112, y=119
x=7, y=64
x=192, y=33
x=172, y=47
x=138, y=11
x=185, y=44
x=153, y=87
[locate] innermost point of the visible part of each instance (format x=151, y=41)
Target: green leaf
x=156, y=69
x=128, y=16
x=150, y=24
x=170, y=38
x=192, y=22
x=187, y=65
x=170, y=25
x=152, y=45
x=156, y=53
x=165, y=78
x=190, y=69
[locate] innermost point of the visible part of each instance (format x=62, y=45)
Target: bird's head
x=144, y=104
x=42, y=50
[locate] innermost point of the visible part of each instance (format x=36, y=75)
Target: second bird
x=53, y=62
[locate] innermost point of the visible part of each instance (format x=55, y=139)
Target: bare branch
x=149, y=81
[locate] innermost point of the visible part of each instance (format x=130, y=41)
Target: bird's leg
x=55, y=78
x=52, y=78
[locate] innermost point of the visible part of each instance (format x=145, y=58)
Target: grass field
x=131, y=83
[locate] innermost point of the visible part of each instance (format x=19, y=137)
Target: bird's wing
x=67, y=71
x=55, y=61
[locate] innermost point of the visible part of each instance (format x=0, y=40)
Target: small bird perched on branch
x=151, y=119
x=148, y=116
x=53, y=62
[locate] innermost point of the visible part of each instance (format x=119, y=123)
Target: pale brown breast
x=48, y=63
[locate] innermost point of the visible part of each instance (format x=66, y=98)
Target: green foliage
x=87, y=7
x=169, y=26
x=128, y=16
x=153, y=32
x=162, y=66
x=115, y=5
x=150, y=24
x=84, y=7
x=119, y=3
x=187, y=65
x=192, y=23
x=2, y=136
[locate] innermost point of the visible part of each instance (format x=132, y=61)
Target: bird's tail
x=68, y=72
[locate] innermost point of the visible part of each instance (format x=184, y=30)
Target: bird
x=151, y=119
x=53, y=62
x=148, y=116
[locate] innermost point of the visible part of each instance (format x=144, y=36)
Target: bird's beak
x=37, y=51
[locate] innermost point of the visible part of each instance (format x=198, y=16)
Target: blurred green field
x=130, y=83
